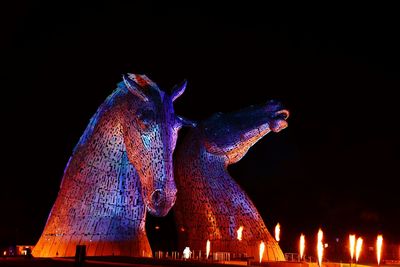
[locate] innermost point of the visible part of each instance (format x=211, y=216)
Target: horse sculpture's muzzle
x=158, y=197
x=161, y=202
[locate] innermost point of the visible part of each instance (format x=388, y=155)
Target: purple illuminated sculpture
x=210, y=204
x=121, y=167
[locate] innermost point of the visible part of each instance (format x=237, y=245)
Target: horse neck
x=193, y=157
x=195, y=164
x=108, y=112
x=103, y=126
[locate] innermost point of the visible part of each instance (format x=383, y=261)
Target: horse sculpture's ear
x=186, y=122
x=134, y=88
x=178, y=90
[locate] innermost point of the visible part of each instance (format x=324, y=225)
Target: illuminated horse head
x=232, y=134
x=120, y=168
x=210, y=204
x=150, y=134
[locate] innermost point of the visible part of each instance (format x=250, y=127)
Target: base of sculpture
x=56, y=247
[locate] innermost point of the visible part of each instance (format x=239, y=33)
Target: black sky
x=336, y=68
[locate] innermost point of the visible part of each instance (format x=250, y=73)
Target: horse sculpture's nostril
x=157, y=197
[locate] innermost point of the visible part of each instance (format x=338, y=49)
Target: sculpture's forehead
x=157, y=102
x=143, y=81
x=223, y=129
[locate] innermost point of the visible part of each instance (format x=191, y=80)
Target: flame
x=262, y=248
x=302, y=245
x=352, y=242
x=379, y=241
x=186, y=253
x=358, y=247
x=277, y=231
x=239, y=233
x=207, y=249
x=320, y=247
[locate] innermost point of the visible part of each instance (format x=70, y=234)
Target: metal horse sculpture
x=121, y=167
x=210, y=204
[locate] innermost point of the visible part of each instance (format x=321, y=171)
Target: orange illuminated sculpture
x=210, y=204
x=120, y=168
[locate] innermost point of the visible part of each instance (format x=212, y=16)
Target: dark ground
x=106, y=261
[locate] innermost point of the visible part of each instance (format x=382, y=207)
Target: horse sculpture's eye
x=146, y=118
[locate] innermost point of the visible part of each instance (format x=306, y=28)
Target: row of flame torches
x=355, y=246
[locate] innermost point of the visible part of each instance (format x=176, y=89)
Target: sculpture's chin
x=158, y=212
x=278, y=125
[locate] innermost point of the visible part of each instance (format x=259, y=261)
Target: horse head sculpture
x=232, y=134
x=150, y=135
x=120, y=168
x=210, y=204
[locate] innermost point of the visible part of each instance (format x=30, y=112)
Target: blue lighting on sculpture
x=120, y=168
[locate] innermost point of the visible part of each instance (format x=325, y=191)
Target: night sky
x=336, y=68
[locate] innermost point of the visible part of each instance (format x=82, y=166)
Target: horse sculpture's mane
x=95, y=118
x=121, y=91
